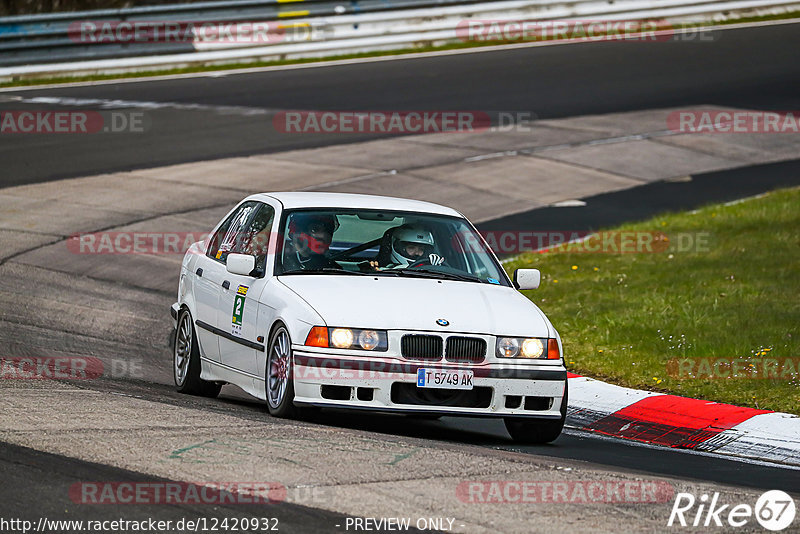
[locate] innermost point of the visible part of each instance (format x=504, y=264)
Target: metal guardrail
x=30, y=39
x=33, y=46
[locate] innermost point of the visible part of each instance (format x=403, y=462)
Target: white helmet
x=410, y=235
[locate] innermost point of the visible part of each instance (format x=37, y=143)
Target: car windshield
x=385, y=243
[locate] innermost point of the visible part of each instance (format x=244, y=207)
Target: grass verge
x=634, y=319
x=25, y=82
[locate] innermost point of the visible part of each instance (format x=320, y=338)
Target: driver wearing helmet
x=410, y=244
x=308, y=241
x=406, y=246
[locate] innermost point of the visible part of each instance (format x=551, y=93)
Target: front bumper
x=389, y=385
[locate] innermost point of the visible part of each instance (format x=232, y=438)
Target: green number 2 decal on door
x=238, y=310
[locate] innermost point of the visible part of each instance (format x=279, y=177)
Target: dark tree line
x=25, y=7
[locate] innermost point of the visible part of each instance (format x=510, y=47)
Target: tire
x=534, y=432
x=278, y=382
x=186, y=361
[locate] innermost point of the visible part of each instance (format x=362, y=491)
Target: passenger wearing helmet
x=308, y=240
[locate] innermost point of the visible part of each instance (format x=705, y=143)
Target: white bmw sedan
x=315, y=300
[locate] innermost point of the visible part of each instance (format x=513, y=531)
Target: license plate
x=445, y=378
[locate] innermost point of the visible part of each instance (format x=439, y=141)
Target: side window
x=226, y=238
x=256, y=238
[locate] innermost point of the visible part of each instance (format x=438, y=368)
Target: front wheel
x=186, y=361
x=279, y=386
x=537, y=432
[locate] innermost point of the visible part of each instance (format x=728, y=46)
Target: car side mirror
x=527, y=278
x=242, y=264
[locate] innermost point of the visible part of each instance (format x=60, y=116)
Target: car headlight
x=369, y=339
x=348, y=338
x=507, y=347
x=528, y=347
x=341, y=338
x=532, y=348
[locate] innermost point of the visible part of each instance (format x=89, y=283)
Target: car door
x=206, y=295
x=209, y=275
x=239, y=300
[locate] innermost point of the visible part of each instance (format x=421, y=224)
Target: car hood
x=416, y=304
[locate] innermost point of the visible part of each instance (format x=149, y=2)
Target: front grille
x=465, y=349
x=421, y=347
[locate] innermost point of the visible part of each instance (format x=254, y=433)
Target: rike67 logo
x=774, y=510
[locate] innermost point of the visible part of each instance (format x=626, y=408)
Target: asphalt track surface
x=750, y=67
x=39, y=486
x=556, y=81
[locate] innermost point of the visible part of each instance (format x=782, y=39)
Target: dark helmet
x=303, y=225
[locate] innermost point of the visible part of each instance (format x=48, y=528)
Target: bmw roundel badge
x=442, y=322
